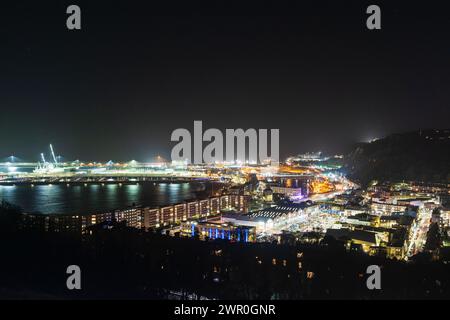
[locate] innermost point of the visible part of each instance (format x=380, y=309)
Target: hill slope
x=415, y=156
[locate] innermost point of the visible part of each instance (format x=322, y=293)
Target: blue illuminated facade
x=220, y=231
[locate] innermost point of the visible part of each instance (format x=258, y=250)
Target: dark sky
x=138, y=70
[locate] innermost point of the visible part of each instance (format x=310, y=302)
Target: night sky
x=138, y=70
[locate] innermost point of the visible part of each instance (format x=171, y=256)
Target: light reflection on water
x=95, y=197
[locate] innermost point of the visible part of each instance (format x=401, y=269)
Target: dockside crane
x=53, y=154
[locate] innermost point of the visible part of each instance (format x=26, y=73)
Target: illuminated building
x=385, y=209
x=239, y=202
x=217, y=229
x=180, y=212
x=286, y=191
x=169, y=215
x=266, y=219
x=354, y=210
x=321, y=186
x=204, y=208
x=137, y=217
x=363, y=220
x=268, y=195
x=292, y=187
x=225, y=202
x=445, y=216
x=151, y=218
x=214, y=205
x=192, y=209
x=132, y=217
x=166, y=215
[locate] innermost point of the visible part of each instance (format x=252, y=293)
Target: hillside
x=416, y=156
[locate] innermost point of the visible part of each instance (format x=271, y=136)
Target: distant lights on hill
x=370, y=140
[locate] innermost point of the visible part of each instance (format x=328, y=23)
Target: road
x=418, y=235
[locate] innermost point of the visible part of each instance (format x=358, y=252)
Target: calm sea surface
x=92, y=198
